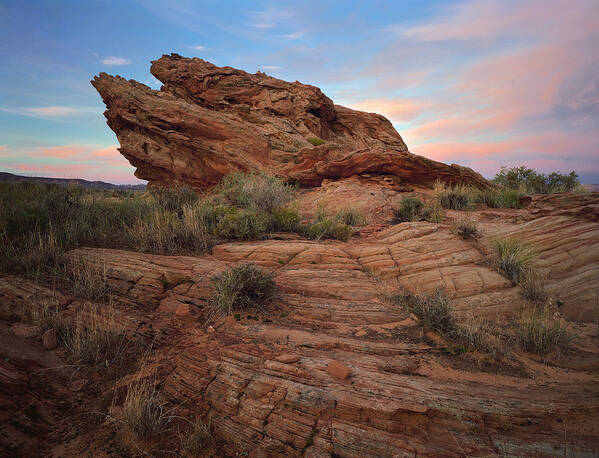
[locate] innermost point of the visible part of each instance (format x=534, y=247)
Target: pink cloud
x=61, y=151
x=398, y=110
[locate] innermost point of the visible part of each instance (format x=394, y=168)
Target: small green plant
x=328, y=229
x=513, y=258
x=284, y=220
x=351, y=216
x=315, y=141
x=433, y=309
x=493, y=198
x=409, y=209
x=240, y=288
x=466, y=228
x=540, y=332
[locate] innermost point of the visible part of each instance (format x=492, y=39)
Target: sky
x=478, y=83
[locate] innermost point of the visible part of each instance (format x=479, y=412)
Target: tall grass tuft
x=513, y=258
x=540, y=332
x=466, y=228
x=144, y=412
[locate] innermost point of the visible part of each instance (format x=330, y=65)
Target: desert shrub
x=412, y=209
x=513, y=258
x=195, y=440
x=255, y=191
x=327, y=228
x=240, y=288
x=315, y=141
x=284, y=220
x=409, y=209
x=351, y=216
x=433, y=212
x=528, y=180
x=243, y=225
x=173, y=198
x=466, y=228
x=433, y=309
x=144, y=413
x=540, y=332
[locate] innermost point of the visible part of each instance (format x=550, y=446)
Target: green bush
x=527, y=180
x=315, y=141
x=243, y=225
x=409, y=209
x=539, y=332
x=255, y=191
x=284, y=220
x=454, y=200
x=240, y=288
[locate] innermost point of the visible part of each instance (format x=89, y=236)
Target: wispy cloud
x=270, y=17
x=271, y=67
x=293, y=36
x=114, y=61
x=198, y=47
x=50, y=112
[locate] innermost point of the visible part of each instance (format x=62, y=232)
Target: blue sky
x=479, y=83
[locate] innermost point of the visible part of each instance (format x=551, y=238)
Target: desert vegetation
x=240, y=288
x=466, y=228
x=530, y=181
x=413, y=209
x=540, y=331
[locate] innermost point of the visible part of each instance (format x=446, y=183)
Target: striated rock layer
x=207, y=121
x=333, y=369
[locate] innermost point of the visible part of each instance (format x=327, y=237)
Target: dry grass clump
x=477, y=334
x=47, y=315
x=88, y=280
x=540, y=332
x=532, y=285
x=195, y=440
x=95, y=338
x=432, y=309
x=466, y=228
x=350, y=216
x=514, y=258
x=144, y=412
x=240, y=288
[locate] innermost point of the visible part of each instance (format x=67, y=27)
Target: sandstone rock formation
x=207, y=121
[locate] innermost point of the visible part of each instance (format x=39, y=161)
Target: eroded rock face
x=207, y=121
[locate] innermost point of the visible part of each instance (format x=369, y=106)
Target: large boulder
x=207, y=121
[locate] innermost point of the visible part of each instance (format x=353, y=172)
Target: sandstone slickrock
x=267, y=384
x=207, y=121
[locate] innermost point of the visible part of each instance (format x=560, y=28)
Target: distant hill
x=5, y=176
